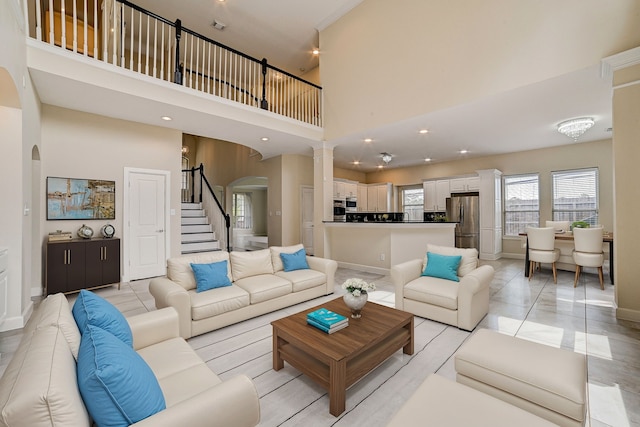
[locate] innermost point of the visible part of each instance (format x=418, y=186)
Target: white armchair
x=462, y=304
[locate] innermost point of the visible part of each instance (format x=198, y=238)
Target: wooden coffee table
x=338, y=360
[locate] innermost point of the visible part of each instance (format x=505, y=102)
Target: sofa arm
x=473, y=296
x=169, y=294
x=403, y=273
x=231, y=403
x=154, y=327
x=326, y=266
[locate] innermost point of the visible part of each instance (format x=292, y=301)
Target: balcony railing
x=125, y=35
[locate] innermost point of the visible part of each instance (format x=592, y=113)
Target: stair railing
x=195, y=193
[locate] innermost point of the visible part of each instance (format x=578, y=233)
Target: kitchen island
x=376, y=246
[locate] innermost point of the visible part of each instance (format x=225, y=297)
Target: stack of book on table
x=327, y=321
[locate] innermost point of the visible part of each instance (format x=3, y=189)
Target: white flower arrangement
x=357, y=287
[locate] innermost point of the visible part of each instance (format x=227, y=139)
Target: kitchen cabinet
x=379, y=197
x=436, y=193
x=461, y=185
x=81, y=264
x=362, y=198
x=344, y=189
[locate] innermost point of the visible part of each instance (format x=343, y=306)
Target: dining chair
x=542, y=249
x=587, y=251
x=559, y=225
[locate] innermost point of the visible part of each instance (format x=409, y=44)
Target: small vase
x=355, y=304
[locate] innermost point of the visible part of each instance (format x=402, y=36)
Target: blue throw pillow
x=442, y=266
x=90, y=309
x=117, y=386
x=295, y=261
x=210, y=276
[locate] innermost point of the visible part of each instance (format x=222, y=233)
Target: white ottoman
x=442, y=402
x=546, y=381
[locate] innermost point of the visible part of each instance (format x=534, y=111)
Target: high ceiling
x=285, y=32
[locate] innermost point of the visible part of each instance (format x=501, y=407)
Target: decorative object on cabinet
x=58, y=235
x=108, y=231
x=85, y=232
x=81, y=264
x=70, y=198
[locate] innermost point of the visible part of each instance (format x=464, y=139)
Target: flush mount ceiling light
x=166, y=118
x=386, y=157
x=218, y=25
x=574, y=128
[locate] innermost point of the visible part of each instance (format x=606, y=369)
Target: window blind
x=575, y=195
x=521, y=203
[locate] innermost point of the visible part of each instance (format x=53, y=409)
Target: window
x=412, y=200
x=242, y=217
x=521, y=203
x=575, y=195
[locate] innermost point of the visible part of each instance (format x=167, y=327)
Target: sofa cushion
x=91, y=309
x=211, y=276
x=303, y=279
x=277, y=250
x=432, y=290
x=217, y=301
x=295, y=261
x=265, y=287
x=246, y=264
x=55, y=311
x=468, y=263
x=116, y=384
x=179, y=268
x=39, y=387
x=181, y=373
x=442, y=266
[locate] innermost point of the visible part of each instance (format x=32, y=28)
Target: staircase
x=197, y=233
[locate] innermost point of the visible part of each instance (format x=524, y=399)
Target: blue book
x=327, y=318
x=325, y=329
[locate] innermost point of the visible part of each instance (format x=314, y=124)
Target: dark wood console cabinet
x=82, y=264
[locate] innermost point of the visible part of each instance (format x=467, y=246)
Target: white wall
x=82, y=145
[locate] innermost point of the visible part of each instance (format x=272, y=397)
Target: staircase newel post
x=201, y=175
x=177, y=77
x=227, y=221
x=263, y=103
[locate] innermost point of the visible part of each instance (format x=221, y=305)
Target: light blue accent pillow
x=295, y=261
x=117, y=386
x=211, y=276
x=442, y=266
x=91, y=309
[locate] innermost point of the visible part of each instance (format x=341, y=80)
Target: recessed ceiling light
x=423, y=131
x=463, y=151
x=355, y=162
x=380, y=166
x=315, y=51
x=264, y=139
x=368, y=140
x=166, y=118
x=428, y=159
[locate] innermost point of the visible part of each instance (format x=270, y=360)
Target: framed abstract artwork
x=71, y=198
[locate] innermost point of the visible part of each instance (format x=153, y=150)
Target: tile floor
x=581, y=319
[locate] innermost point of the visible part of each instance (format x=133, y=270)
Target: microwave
x=339, y=210
x=351, y=204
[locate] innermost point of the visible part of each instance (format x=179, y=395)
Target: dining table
x=607, y=237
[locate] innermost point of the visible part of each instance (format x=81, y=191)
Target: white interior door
x=146, y=223
x=307, y=219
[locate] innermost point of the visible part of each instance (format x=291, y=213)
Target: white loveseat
x=462, y=304
x=260, y=285
x=40, y=388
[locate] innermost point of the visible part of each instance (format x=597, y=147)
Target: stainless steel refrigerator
x=464, y=208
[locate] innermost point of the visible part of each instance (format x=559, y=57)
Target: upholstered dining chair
x=542, y=249
x=588, y=251
x=559, y=225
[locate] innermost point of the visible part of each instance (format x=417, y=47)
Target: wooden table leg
x=278, y=362
x=526, y=259
x=337, y=387
x=408, y=349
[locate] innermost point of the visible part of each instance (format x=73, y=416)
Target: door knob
x=159, y=231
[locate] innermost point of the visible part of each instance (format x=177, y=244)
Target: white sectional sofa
x=460, y=303
x=40, y=385
x=259, y=285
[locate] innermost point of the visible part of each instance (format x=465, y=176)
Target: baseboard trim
x=628, y=314
x=367, y=268
x=17, y=322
